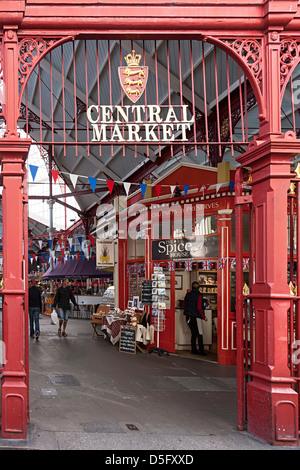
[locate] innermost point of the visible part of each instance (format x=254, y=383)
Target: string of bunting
x=63, y=247
x=127, y=185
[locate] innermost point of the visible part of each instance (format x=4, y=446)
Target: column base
x=272, y=413
x=14, y=408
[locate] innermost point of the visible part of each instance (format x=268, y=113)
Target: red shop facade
x=161, y=232
x=263, y=39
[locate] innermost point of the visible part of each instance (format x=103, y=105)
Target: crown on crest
x=133, y=59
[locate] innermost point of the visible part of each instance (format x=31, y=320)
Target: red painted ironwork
x=268, y=54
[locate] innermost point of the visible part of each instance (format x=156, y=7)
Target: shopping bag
x=54, y=317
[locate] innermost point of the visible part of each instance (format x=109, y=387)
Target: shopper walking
x=193, y=309
x=62, y=300
x=35, y=308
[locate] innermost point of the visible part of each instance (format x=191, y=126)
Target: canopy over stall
x=76, y=268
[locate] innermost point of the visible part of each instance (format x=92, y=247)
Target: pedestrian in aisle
x=35, y=308
x=62, y=300
x=193, y=310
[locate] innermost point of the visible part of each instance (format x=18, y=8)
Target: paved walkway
x=85, y=394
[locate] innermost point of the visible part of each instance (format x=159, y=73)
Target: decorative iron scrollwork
x=289, y=57
x=250, y=51
x=31, y=50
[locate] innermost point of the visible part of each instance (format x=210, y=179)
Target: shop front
x=173, y=241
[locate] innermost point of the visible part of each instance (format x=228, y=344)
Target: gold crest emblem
x=133, y=77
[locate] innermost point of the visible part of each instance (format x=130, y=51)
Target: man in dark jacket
x=35, y=308
x=193, y=309
x=62, y=300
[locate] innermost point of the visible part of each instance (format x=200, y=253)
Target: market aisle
x=85, y=394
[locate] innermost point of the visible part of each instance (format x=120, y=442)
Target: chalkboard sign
x=127, y=339
x=147, y=292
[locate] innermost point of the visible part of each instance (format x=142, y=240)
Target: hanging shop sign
x=105, y=250
x=186, y=248
x=138, y=123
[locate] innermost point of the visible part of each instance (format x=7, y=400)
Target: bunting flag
x=186, y=188
x=110, y=185
x=204, y=187
x=245, y=263
x=172, y=189
x=70, y=240
x=232, y=263
x=33, y=170
x=218, y=186
x=231, y=185
x=158, y=189
x=50, y=244
x=74, y=179
x=222, y=263
x=93, y=182
x=206, y=265
x=127, y=187
x=143, y=187
x=54, y=175
x=188, y=265
x=92, y=240
x=156, y=265
x=40, y=244
x=171, y=265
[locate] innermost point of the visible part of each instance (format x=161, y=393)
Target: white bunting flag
x=74, y=179
x=127, y=187
x=218, y=187
x=172, y=189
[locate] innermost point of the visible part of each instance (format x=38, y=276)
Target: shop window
x=136, y=274
x=206, y=226
x=233, y=287
x=161, y=230
x=136, y=244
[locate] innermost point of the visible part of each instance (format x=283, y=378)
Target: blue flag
x=143, y=188
x=93, y=182
x=33, y=170
x=186, y=188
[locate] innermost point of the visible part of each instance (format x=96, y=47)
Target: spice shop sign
x=185, y=248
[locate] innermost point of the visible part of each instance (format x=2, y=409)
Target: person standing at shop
x=62, y=300
x=35, y=308
x=193, y=309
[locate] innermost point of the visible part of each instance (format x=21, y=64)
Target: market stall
x=80, y=273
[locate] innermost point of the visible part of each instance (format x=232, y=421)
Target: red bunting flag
x=54, y=175
x=158, y=189
x=92, y=240
x=110, y=185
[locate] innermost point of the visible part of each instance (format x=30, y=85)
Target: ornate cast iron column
x=13, y=153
